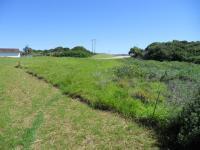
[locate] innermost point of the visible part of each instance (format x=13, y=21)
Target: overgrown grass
x=95, y=82
x=181, y=97
x=182, y=79
x=129, y=87
x=35, y=115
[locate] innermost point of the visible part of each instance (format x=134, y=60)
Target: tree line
x=169, y=51
x=78, y=51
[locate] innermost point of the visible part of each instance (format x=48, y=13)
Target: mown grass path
x=35, y=115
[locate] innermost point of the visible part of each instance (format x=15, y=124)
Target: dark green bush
x=174, y=51
x=73, y=54
x=136, y=52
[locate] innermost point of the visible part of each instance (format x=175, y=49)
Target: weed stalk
x=159, y=92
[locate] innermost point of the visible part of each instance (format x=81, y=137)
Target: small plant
x=18, y=64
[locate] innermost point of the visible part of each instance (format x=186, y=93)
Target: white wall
x=16, y=55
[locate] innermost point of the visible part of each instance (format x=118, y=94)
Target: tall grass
x=129, y=87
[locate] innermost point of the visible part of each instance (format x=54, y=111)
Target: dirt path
x=38, y=116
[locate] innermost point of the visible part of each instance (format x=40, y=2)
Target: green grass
x=128, y=86
x=102, y=56
x=35, y=115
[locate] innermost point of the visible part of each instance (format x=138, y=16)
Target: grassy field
x=102, y=56
x=36, y=115
x=130, y=87
x=147, y=91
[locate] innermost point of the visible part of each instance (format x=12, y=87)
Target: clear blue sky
x=116, y=24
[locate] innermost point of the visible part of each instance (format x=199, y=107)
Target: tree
x=136, y=52
x=27, y=50
x=79, y=48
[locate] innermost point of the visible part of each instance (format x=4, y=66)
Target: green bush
x=128, y=71
x=183, y=130
x=189, y=134
x=136, y=52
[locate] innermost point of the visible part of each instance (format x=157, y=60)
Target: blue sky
x=116, y=24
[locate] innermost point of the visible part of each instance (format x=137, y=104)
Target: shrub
x=136, y=52
x=128, y=71
x=183, y=131
x=189, y=134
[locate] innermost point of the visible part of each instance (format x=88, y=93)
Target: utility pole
x=95, y=41
x=93, y=45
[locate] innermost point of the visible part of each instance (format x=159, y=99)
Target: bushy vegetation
x=170, y=51
x=189, y=134
x=74, y=52
x=175, y=50
x=77, y=51
x=183, y=129
x=136, y=52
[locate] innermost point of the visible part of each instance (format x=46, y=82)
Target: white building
x=9, y=52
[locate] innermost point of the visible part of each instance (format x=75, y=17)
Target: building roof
x=9, y=50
